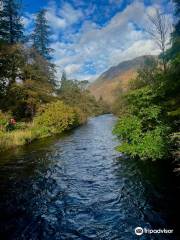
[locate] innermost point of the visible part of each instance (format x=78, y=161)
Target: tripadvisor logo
x=139, y=231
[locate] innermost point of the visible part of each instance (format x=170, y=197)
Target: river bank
x=54, y=118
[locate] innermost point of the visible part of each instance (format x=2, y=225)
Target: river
x=78, y=187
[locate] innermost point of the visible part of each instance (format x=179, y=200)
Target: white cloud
x=139, y=48
x=98, y=47
x=70, y=14
x=63, y=17
x=72, y=68
x=55, y=21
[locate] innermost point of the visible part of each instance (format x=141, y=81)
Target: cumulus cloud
x=72, y=68
x=95, y=48
x=55, y=21
x=70, y=14
x=63, y=17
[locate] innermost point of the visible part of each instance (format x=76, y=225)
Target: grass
x=53, y=118
x=15, y=138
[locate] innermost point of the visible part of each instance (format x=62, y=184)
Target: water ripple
x=76, y=187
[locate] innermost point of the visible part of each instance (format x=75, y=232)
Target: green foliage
x=128, y=127
x=11, y=61
x=75, y=94
x=34, y=87
x=15, y=138
x=37, y=68
x=64, y=83
x=55, y=117
x=147, y=75
x=150, y=113
x=4, y=118
x=144, y=128
x=149, y=144
x=10, y=22
x=41, y=35
x=28, y=86
x=52, y=118
x=175, y=36
x=23, y=99
x=155, y=103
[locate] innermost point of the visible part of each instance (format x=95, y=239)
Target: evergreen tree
x=63, y=81
x=11, y=28
x=41, y=35
x=175, y=37
x=41, y=42
x=176, y=33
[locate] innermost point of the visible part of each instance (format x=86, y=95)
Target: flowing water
x=78, y=187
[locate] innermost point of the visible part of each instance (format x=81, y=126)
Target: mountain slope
x=116, y=77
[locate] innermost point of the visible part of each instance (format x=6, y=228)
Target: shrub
x=150, y=144
x=55, y=117
x=52, y=118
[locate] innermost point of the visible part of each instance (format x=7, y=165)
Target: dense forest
x=149, y=112
x=33, y=102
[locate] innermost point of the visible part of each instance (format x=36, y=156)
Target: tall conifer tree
x=41, y=35
x=11, y=28
x=176, y=34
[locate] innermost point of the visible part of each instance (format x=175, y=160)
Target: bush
x=143, y=126
x=56, y=117
x=150, y=144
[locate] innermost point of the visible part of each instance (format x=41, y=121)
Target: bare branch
x=159, y=29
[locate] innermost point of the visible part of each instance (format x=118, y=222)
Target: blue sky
x=89, y=36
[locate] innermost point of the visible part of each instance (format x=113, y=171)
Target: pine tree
x=175, y=36
x=41, y=42
x=11, y=28
x=63, y=81
x=176, y=33
x=41, y=35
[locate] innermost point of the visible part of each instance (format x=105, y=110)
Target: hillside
x=117, y=77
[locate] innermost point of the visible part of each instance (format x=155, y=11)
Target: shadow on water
x=79, y=187
x=153, y=190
